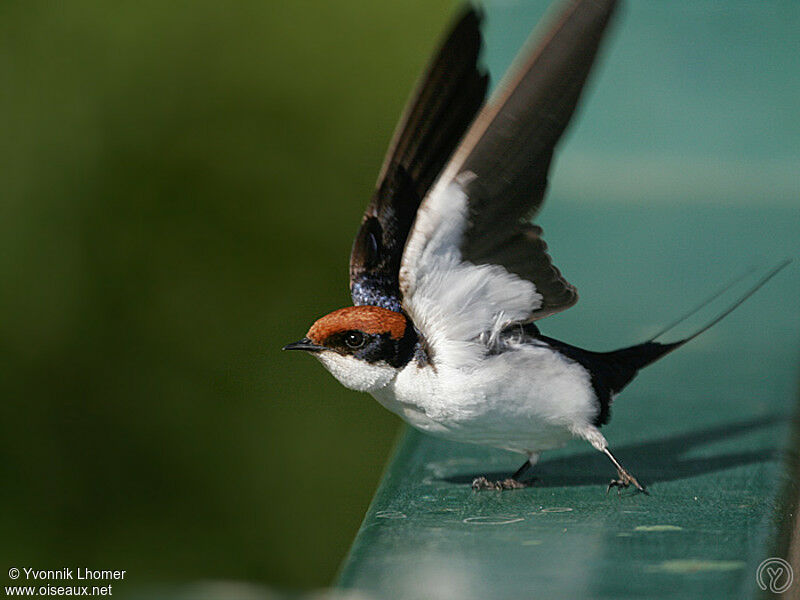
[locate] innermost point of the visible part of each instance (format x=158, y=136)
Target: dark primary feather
x=510, y=146
x=446, y=100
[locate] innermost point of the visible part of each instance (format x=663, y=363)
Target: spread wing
x=446, y=100
x=474, y=264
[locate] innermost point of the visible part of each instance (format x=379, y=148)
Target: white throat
x=357, y=374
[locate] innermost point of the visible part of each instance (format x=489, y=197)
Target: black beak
x=304, y=344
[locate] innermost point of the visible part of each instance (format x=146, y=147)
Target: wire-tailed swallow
x=448, y=274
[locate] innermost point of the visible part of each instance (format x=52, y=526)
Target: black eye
x=354, y=339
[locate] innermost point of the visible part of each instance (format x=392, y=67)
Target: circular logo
x=775, y=575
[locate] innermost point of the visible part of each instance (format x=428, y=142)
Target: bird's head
x=364, y=347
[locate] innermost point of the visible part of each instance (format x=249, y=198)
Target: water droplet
x=658, y=528
x=493, y=520
x=389, y=514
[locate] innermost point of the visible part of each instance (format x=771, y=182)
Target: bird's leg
x=624, y=479
x=511, y=483
x=522, y=470
x=592, y=435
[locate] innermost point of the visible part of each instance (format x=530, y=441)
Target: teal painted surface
x=700, y=534
x=681, y=172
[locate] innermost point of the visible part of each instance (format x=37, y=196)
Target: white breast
x=529, y=398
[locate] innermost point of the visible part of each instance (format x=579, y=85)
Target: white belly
x=527, y=400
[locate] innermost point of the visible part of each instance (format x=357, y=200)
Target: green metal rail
x=676, y=179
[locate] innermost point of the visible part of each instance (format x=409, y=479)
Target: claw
x=625, y=480
x=481, y=483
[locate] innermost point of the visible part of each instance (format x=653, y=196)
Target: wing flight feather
x=447, y=98
x=495, y=183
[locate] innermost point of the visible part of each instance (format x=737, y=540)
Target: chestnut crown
x=369, y=333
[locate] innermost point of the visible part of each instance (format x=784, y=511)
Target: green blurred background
x=181, y=182
x=180, y=186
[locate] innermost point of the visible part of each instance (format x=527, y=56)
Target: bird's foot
x=481, y=483
x=624, y=480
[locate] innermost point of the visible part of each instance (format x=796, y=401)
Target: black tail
x=627, y=362
x=612, y=371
